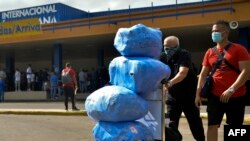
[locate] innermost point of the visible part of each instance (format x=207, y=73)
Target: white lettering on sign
x=237, y=132
x=47, y=20
x=46, y=9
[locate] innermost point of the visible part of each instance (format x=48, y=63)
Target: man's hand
x=75, y=92
x=224, y=98
x=198, y=102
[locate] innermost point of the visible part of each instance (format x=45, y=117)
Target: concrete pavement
x=37, y=103
x=48, y=115
x=40, y=117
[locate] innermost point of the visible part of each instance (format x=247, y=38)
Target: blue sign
x=50, y=13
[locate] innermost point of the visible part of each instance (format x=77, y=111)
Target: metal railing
x=89, y=20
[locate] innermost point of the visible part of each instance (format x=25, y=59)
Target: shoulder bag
x=207, y=87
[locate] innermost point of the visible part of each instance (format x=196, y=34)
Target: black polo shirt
x=187, y=87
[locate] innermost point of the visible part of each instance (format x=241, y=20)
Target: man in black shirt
x=181, y=87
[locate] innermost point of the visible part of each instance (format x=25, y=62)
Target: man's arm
x=202, y=77
x=183, y=71
x=73, y=77
x=243, y=76
x=244, y=67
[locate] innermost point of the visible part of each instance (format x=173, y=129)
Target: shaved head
x=171, y=41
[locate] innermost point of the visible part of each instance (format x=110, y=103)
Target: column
x=10, y=69
x=57, y=59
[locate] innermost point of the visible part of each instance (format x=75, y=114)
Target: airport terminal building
x=47, y=36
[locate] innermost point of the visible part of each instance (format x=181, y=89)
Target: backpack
x=66, y=77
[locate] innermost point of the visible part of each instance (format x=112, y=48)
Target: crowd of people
x=25, y=80
x=49, y=81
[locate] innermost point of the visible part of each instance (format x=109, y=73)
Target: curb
x=204, y=116
x=43, y=112
x=77, y=113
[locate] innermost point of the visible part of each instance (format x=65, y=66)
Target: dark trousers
x=69, y=92
x=186, y=105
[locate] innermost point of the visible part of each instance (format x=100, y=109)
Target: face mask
x=170, y=51
x=216, y=37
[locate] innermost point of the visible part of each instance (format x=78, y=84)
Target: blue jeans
x=53, y=92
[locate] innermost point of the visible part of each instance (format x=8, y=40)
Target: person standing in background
x=70, y=87
x=54, y=85
x=17, y=80
x=82, y=75
x=28, y=76
x=93, y=79
x=1, y=90
x=32, y=81
x=2, y=74
x=228, y=84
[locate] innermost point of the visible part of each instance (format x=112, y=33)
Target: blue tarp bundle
x=122, y=131
x=139, y=74
x=115, y=103
x=116, y=107
x=139, y=41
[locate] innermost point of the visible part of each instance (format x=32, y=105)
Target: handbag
x=207, y=87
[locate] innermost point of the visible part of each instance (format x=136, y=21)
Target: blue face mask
x=216, y=37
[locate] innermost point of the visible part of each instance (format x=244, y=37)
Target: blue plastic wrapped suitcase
x=122, y=131
x=139, y=41
x=139, y=74
x=135, y=77
x=115, y=103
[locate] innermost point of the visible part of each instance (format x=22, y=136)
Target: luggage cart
x=155, y=118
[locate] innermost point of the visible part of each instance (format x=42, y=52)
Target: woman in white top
x=17, y=80
x=28, y=76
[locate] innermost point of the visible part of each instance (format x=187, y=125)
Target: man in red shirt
x=70, y=87
x=228, y=89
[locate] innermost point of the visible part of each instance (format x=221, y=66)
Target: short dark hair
x=223, y=23
x=68, y=64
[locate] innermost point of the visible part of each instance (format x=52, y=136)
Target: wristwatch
x=231, y=90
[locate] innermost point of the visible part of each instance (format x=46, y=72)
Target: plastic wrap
x=139, y=74
x=139, y=41
x=122, y=131
x=115, y=103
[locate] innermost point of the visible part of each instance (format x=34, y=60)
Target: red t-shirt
x=72, y=74
x=224, y=76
